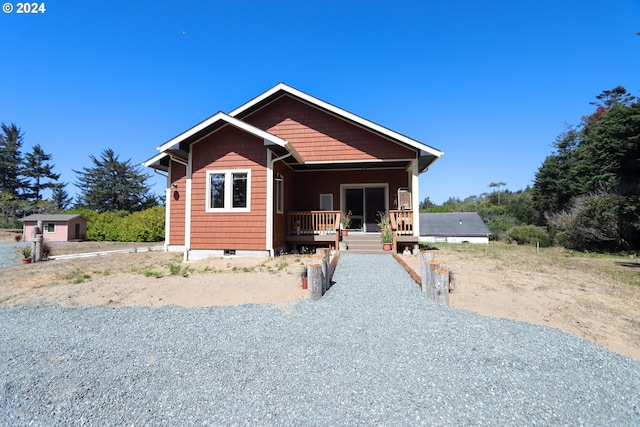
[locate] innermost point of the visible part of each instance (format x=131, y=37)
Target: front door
x=365, y=203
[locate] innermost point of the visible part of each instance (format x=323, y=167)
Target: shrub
x=529, y=235
x=143, y=226
x=592, y=224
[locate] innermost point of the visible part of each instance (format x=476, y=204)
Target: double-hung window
x=229, y=190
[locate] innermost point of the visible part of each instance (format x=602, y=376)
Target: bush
x=592, y=224
x=529, y=235
x=143, y=226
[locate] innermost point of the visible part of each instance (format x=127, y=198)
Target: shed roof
x=52, y=217
x=454, y=224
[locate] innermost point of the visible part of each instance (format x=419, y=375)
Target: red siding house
x=281, y=171
x=56, y=227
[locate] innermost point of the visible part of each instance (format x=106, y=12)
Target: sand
x=578, y=294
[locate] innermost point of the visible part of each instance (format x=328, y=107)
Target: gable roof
x=52, y=217
x=427, y=156
x=177, y=148
x=453, y=224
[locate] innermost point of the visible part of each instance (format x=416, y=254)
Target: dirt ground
x=589, y=297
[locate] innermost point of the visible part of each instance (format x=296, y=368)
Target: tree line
x=30, y=185
x=586, y=193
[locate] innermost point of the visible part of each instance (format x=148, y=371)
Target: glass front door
x=365, y=203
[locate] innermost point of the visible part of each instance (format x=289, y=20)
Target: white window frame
x=228, y=190
x=279, y=187
x=46, y=227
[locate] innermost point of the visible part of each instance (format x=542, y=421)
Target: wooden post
x=432, y=265
x=36, y=242
x=424, y=257
x=315, y=279
x=442, y=286
x=320, y=258
x=336, y=228
x=427, y=255
x=327, y=262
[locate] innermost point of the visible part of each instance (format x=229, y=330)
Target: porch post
x=415, y=196
x=269, y=218
x=167, y=212
x=187, y=212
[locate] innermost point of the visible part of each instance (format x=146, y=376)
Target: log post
x=36, y=242
x=432, y=265
x=327, y=261
x=442, y=286
x=320, y=258
x=315, y=279
x=427, y=255
x=424, y=257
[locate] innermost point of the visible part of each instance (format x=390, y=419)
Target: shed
x=56, y=227
x=453, y=227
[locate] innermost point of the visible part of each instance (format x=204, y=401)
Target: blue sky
x=490, y=83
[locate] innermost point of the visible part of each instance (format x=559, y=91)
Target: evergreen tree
x=609, y=152
x=61, y=198
x=11, y=140
x=112, y=185
x=38, y=172
x=557, y=180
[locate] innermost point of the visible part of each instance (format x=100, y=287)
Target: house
x=453, y=227
x=280, y=171
x=56, y=227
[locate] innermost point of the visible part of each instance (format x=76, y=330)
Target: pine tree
x=38, y=172
x=11, y=140
x=112, y=185
x=61, y=198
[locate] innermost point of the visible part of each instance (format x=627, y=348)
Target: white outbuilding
x=453, y=227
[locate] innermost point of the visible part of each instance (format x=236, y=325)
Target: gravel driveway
x=372, y=351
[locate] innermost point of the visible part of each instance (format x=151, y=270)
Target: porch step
x=364, y=243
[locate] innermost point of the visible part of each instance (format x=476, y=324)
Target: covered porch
x=323, y=228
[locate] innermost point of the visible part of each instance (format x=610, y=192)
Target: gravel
x=372, y=351
x=9, y=255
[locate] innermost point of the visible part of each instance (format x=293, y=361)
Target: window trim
x=46, y=227
x=228, y=190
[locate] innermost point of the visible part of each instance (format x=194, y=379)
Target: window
x=326, y=202
x=228, y=191
x=279, y=194
x=50, y=227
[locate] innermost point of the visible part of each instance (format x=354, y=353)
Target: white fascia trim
x=337, y=162
x=228, y=119
x=154, y=159
x=340, y=112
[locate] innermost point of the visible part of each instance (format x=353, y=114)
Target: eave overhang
x=159, y=162
x=179, y=147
